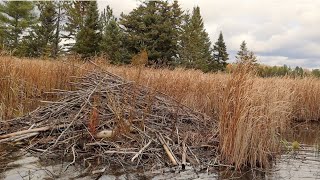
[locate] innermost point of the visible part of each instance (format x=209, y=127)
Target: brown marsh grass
x=306, y=99
x=253, y=112
x=23, y=82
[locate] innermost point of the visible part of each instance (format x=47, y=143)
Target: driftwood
x=136, y=126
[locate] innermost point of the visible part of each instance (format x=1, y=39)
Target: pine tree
x=112, y=38
x=59, y=18
x=177, y=27
x=41, y=40
x=220, y=52
x=196, y=49
x=75, y=12
x=15, y=17
x=244, y=55
x=186, y=46
x=153, y=26
x=88, y=38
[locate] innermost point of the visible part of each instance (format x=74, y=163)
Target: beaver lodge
x=106, y=121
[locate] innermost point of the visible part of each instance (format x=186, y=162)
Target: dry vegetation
x=253, y=112
x=23, y=82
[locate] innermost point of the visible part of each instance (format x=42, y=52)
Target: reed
x=23, y=82
x=306, y=99
x=252, y=115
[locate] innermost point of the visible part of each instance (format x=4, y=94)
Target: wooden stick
x=167, y=150
x=184, y=152
x=74, y=158
x=99, y=171
x=141, y=150
x=184, y=156
x=25, y=132
x=120, y=152
x=29, y=131
x=19, y=137
x=26, y=136
x=194, y=155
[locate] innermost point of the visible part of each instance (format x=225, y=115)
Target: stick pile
x=107, y=121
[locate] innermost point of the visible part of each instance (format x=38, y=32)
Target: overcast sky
x=278, y=31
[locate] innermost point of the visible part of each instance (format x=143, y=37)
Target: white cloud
x=281, y=60
x=282, y=32
x=118, y=6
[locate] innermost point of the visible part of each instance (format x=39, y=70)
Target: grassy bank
x=253, y=112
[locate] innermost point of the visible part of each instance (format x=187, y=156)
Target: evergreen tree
x=298, y=72
x=75, y=12
x=41, y=41
x=59, y=18
x=112, y=38
x=195, y=49
x=244, y=55
x=15, y=17
x=88, y=38
x=185, y=45
x=316, y=72
x=2, y=36
x=177, y=27
x=220, y=52
x=153, y=26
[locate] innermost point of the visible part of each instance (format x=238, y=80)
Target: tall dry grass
x=252, y=115
x=306, y=99
x=252, y=111
x=23, y=82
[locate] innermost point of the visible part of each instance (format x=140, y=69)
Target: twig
x=25, y=137
x=76, y=116
x=193, y=155
x=74, y=157
x=120, y=152
x=141, y=150
x=99, y=171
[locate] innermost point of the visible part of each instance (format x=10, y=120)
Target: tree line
x=171, y=36
x=276, y=71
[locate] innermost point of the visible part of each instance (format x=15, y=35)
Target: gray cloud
x=279, y=32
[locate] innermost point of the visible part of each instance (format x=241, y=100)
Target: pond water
x=305, y=163
x=301, y=164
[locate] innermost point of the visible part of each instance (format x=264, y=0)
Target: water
x=302, y=164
